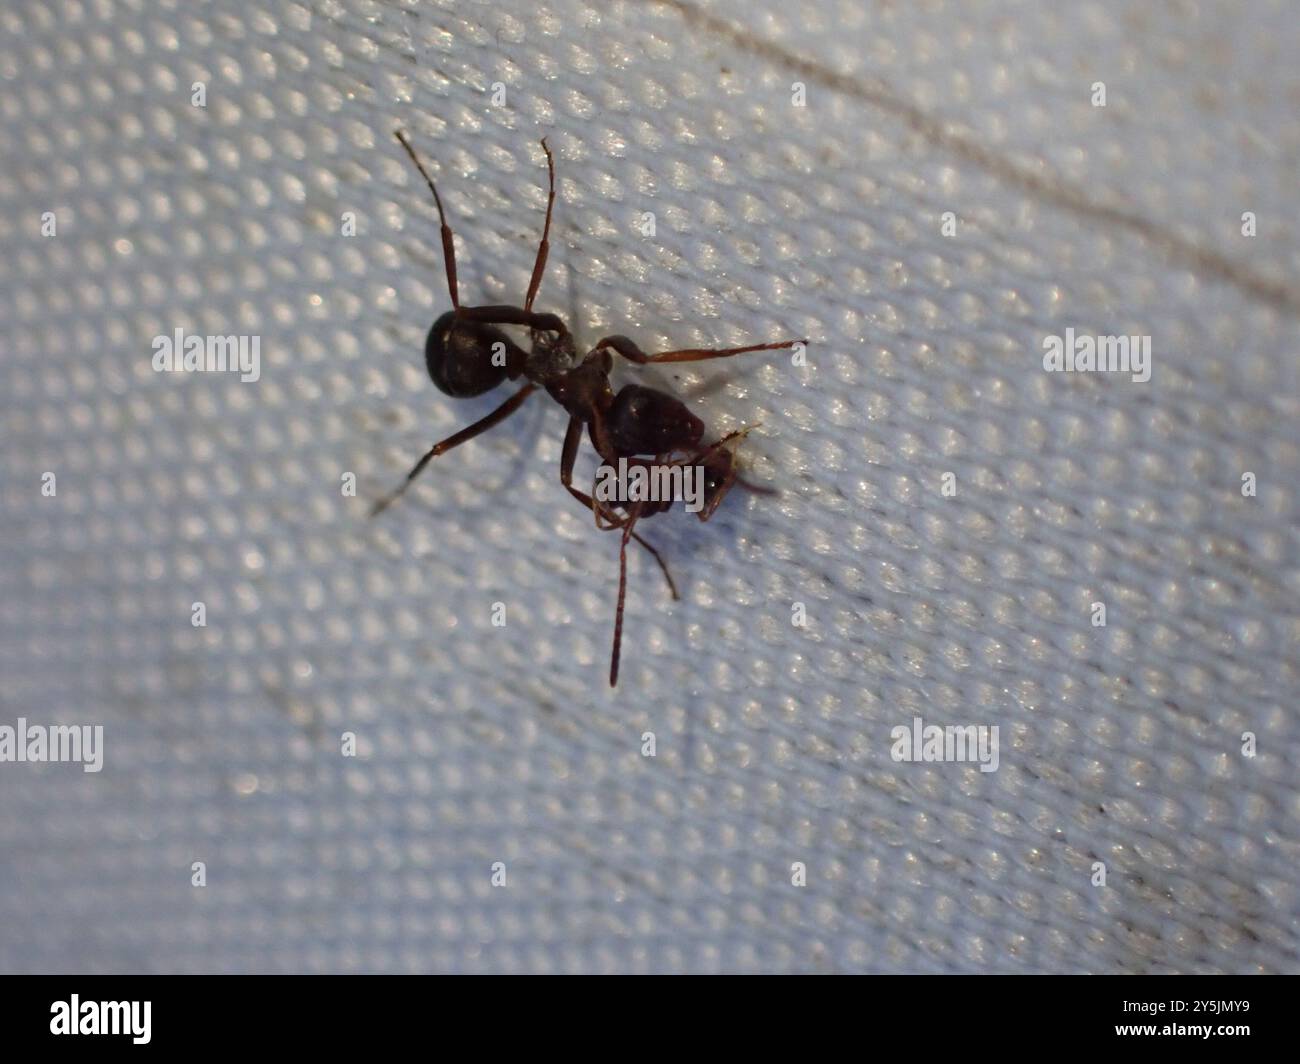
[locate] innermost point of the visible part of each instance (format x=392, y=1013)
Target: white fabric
x=480, y=744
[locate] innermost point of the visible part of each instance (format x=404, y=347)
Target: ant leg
x=544, y=248
x=571, y=440
x=632, y=353
x=501, y=315
x=482, y=425
x=600, y=438
x=569, y=455
x=448, y=247
x=623, y=522
x=622, y=594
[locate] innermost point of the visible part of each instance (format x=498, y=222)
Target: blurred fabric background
x=798, y=159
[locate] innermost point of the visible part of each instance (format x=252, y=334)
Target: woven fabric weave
x=799, y=161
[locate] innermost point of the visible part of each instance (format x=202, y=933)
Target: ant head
x=721, y=470
x=719, y=475
x=466, y=358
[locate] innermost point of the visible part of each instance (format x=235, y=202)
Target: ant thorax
x=552, y=356
x=583, y=390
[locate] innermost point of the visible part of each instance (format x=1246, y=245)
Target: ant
x=467, y=354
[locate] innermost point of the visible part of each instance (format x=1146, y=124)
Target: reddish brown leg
x=600, y=438
x=632, y=353
x=633, y=514
x=569, y=455
x=544, y=248
x=482, y=425
x=448, y=246
x=587, y=503
x=502, y=315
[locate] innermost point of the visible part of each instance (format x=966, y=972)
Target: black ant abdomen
x=468, y=358
x=647, y=421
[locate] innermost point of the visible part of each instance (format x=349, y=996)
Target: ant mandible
x=467, y=354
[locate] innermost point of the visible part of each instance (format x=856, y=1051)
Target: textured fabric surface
x=480, y=744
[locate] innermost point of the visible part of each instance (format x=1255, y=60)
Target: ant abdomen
x=647, y=421
x=468, y=358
